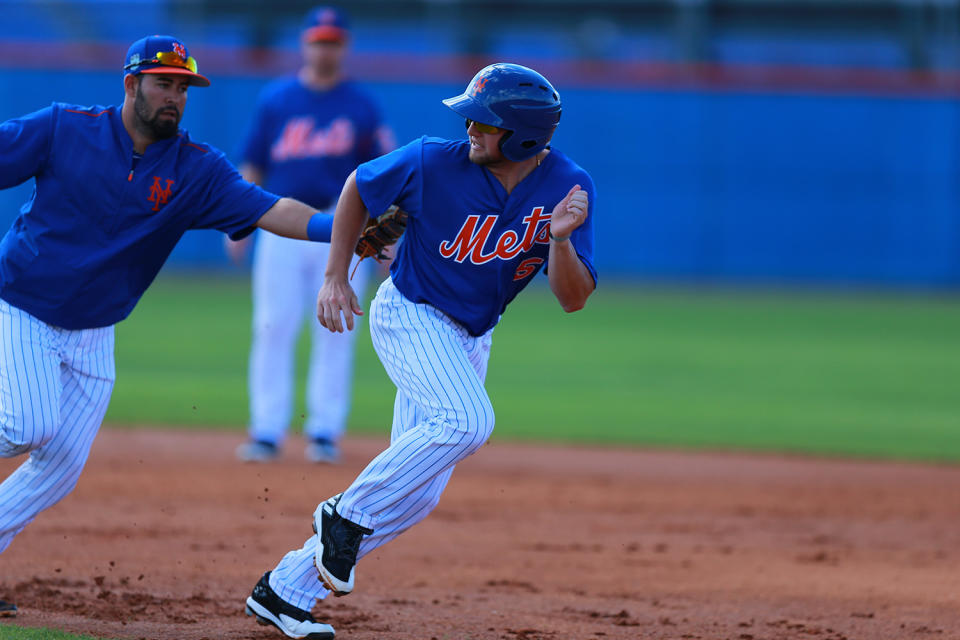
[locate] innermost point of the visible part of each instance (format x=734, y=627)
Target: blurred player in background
x=115, y=189
x=485, y=215
x=309, y=132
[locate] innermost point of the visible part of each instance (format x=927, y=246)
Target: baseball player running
x=485, y=215
x=115, y=189
x=309, y=132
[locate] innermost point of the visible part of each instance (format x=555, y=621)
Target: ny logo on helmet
x=478, y=86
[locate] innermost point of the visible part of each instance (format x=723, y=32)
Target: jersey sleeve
x=394, y=178
x=231, y=204
x=25, y=146
x=378, y=138
x=255, y=147
x=383, y=139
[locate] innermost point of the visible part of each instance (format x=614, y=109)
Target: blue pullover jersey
x=96, y=229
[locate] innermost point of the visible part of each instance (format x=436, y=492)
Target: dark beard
x=151, y=123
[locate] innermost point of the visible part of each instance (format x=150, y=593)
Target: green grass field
x=829, y=373
x=12, y=632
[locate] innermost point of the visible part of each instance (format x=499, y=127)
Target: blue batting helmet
x=514, y=98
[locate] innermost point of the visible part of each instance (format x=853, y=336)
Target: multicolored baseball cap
x=163, y=55
x=325, y=24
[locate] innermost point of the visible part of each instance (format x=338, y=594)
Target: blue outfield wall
x=694, y=184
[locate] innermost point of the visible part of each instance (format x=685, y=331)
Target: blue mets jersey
x=97, y=229
x=470, y=247
x=308, y=141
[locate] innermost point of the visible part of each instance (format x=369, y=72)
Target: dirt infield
x=166, y=535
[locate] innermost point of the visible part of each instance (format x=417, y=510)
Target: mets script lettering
x=474, y=237
x=299, y=139
x=158, y=195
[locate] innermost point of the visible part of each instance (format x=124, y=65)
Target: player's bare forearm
x=570, y=280
x=337, y=302
x=287, y=218
x=348, y=221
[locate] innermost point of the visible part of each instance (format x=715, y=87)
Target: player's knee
x=480, y=427
x=428, y=502
x=22, y=433
x=69, y=471
x=485, y=426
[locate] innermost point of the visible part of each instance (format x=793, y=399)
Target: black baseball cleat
x=266, y=605
x=337, y=545
x=7, y=609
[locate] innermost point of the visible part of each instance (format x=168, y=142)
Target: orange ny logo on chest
x=159, y=195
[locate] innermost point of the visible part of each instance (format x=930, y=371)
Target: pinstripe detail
x=55, y=386
x=295, y=577
x=442, y=414
x=427, y=356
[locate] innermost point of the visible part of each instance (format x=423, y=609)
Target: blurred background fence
x=771, y=141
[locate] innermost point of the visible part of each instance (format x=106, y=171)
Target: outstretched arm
x=293, y=219
x=570, y=280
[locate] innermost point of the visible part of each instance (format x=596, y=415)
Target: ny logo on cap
x=179, y=50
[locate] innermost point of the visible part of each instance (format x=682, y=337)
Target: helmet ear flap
x=534, y=124
x=515, y=148
x=504, y=140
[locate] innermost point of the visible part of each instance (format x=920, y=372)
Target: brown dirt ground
x=166, y=535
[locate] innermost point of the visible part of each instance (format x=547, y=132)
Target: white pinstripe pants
x=442, y=414
x=55, y=386
x=287, y=274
